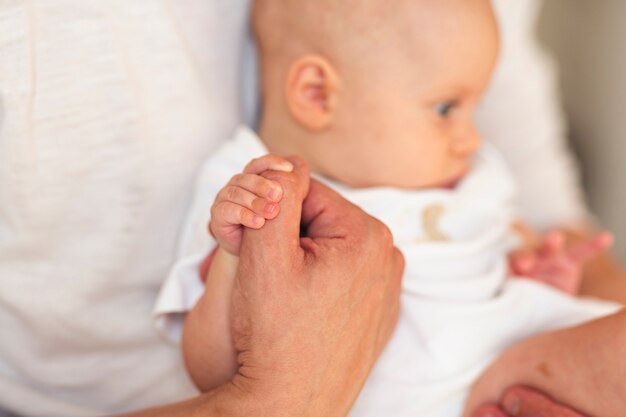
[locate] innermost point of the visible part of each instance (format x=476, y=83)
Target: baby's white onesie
x=459, y=309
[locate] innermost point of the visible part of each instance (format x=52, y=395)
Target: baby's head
x=375, y=92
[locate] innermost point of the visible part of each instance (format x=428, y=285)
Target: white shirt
x=107, y=109
x=459, y=309
x=521, y=115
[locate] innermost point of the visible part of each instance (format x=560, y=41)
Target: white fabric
x=522, y=116
x=459, y=309
x=109, y=108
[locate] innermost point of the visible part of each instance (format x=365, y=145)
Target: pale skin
x=316, y=102
x=283, y=285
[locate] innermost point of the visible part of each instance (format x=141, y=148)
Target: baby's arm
x=247, y=200
x=582, y=367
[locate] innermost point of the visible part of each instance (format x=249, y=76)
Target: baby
x=379, y=100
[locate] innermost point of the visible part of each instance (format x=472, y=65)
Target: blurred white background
x=588, y=39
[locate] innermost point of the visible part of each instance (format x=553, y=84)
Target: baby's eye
x=444, y=109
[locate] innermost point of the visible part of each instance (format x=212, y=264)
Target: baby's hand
x=247, y=200
x=557, y=265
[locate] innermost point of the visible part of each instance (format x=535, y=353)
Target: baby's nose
x=467, y=141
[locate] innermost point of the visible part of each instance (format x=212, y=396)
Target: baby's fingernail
x=282, y=166
x=511, y=404
x=270, y=208
x=275, y=193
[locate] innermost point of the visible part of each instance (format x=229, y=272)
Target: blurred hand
x=557, y=264
x=312, y=314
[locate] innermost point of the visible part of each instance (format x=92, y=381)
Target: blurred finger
x=490, y=410
x=553, y=243
x=524, y=402
x=522, y=262
x=590, y=248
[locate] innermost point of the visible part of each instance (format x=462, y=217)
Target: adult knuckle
x=398, y=258
x=242, y=213
x=232, y=193
x=383, y=234
x=223, y=210
x=218, y=212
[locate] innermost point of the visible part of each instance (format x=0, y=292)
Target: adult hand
x=582, y=366
x=525, y=402
x=312, y=313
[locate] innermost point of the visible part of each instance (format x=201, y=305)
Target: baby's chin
x=451, y=182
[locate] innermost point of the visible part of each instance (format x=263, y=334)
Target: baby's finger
x=258, y=185
x=522, y=262
x=553, y=243
x=590, y=248
x=245, y=198
x=227, y=213
x=267, y=163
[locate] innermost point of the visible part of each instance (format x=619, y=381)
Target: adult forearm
x=582, y=367
x=225, y=401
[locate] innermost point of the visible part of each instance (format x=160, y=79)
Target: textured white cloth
x=459, y=309
x=107, y=109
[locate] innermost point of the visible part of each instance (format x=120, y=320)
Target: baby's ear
x=311, y=90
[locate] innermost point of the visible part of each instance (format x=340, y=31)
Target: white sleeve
x=522, y=116
x=183, y=286
x=180, y=292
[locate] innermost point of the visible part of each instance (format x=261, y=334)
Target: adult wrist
x=261, y=398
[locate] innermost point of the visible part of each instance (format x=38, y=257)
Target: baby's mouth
x=454, y=182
